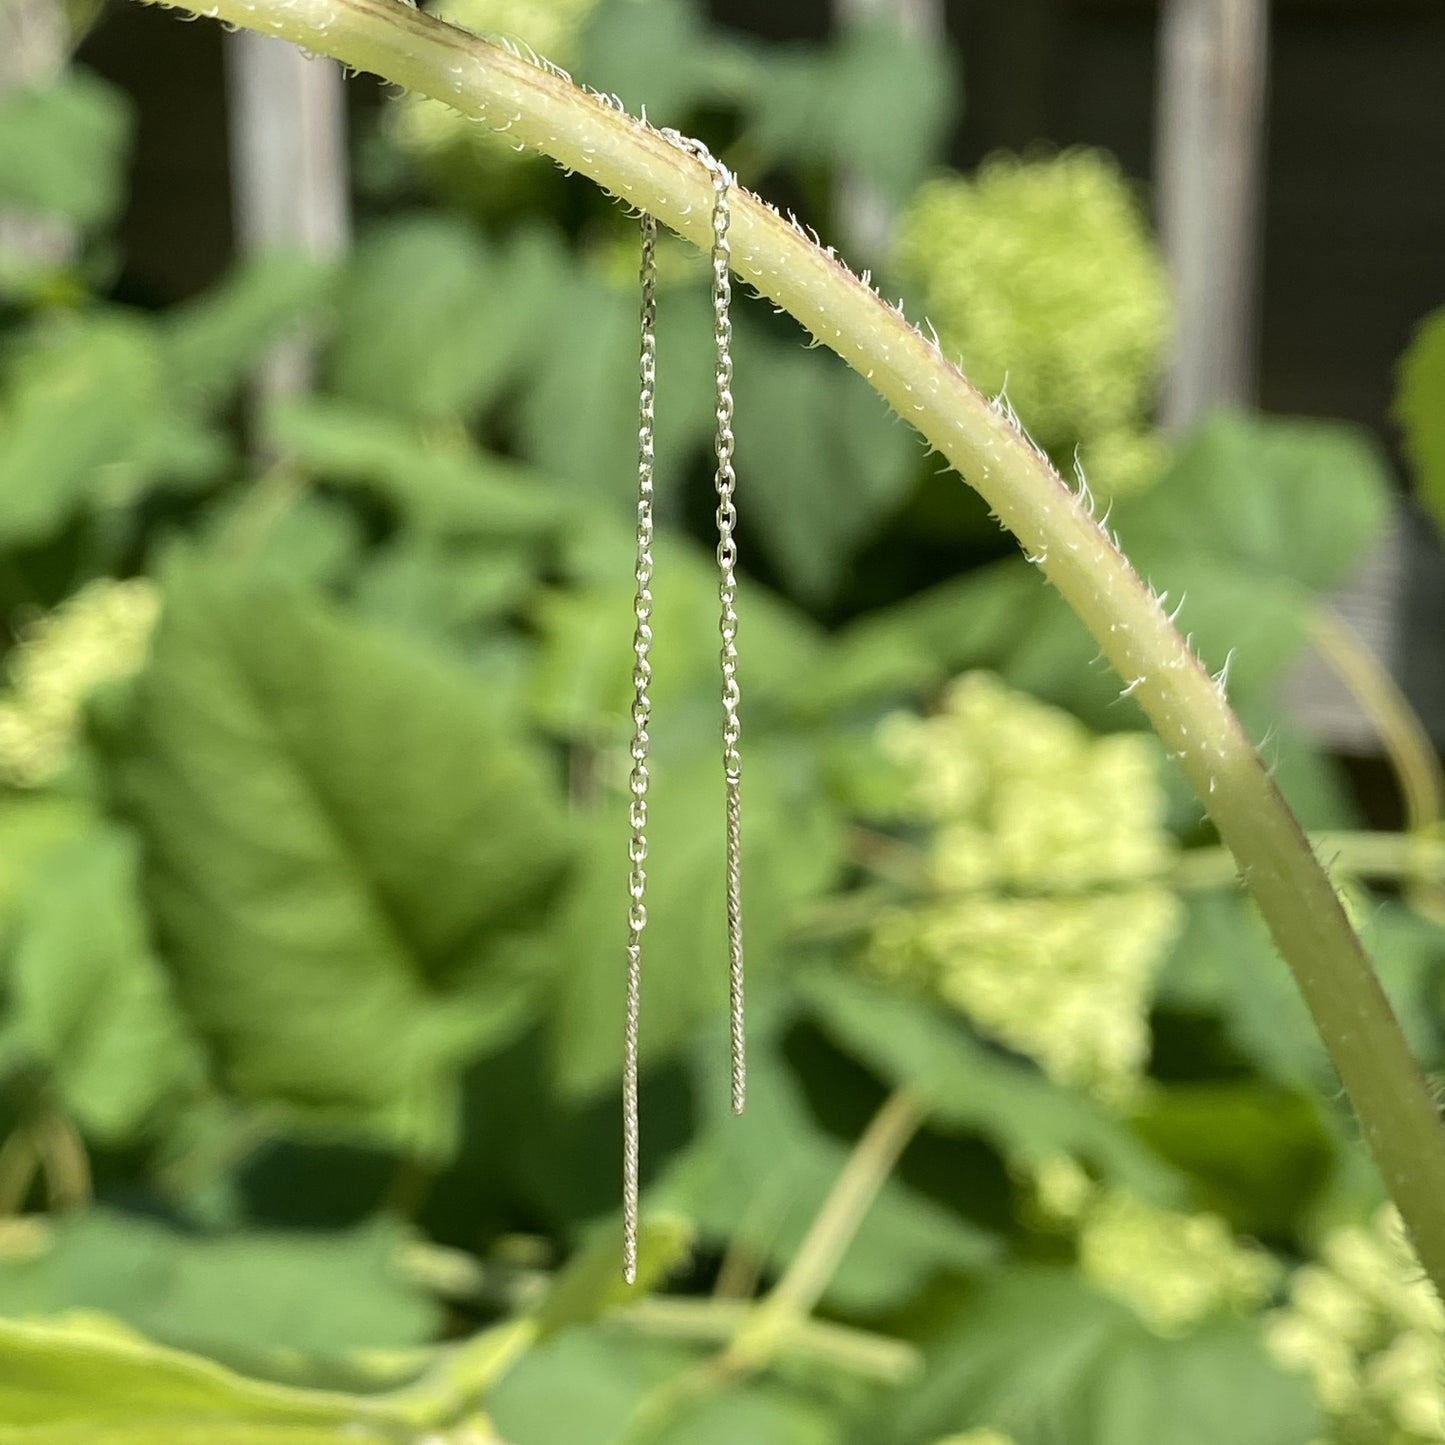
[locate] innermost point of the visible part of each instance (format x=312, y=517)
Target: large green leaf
x=578, y=417
x=88, y=418
x=581, y=1385
x=790, y=854
x=432, y=322
x=820, y=459
x=1257, y=517
x=969, y=1086
x=1038, y=1355
x=91, y=1382
x=583, y=684
x=88, y=998
x=345, y=844
x=316, y=1293
x=439, y=485
x=657, y=55
x=63, y=148
x=1420, y=410
x=875, y=99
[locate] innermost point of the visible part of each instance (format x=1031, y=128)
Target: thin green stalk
x=540, y=108
x=1407, y=744
x=768, y=1327
x=1382, y=856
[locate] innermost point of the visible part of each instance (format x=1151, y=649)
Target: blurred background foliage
x=312, y=830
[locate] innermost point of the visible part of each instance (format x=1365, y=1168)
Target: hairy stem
x=540, y=108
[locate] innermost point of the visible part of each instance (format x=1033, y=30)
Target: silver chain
x=727, y=557
x=641, y=716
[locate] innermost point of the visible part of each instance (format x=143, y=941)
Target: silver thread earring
x=727, y=556
x=726, y=481
x=641, y=716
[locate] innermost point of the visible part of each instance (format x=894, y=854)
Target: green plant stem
x=1392, y=856
x=860, y=1353
x=542, y=109
x=457, y=1275
x=769, y=1326
x=1408, y=746
x=1406, y=743
x=775, y=1326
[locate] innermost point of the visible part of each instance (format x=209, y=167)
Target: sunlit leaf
x=88, y=998
x=345, y=847
x=318, y=1293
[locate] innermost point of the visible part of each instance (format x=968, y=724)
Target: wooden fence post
x=1209, y=147
x=289, y=171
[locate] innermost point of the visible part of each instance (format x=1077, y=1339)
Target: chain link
x=641, y=717
x=727, y=557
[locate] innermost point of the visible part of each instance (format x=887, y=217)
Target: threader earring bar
x=725, y=481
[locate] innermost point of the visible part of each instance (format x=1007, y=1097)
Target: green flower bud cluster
x=1042, y=275
x=100, y=635
x=1043, y=919
x=1366, y=1326
x=1174, y=1270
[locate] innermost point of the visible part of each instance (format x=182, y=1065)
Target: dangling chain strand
x=727, y=556
x=641, y=716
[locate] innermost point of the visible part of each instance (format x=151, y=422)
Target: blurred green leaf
x=88, y=997
x=583, y=682
x=656, y=55
x=32, y=828
x=87, y=418
x=874, y=99
x=432, y=322
x=1419, y=408
x=439, y=484
x=1039, y=1355
x=63, y=148
x=761, y=1179
x=1256, y=517
x=580, y=1385
x=212, y=343
x=1225, y=963
x=820, y=460
x=790, y=854
x=1256, y=1155
x=577, y=420
x=276, y=528
x=345, y=849
x=1001, y=617
x=89, y=1381
x=591, y=1283
x=761, y=1414
x=316, y=1293
x=968, y=1085
x=443, y=592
